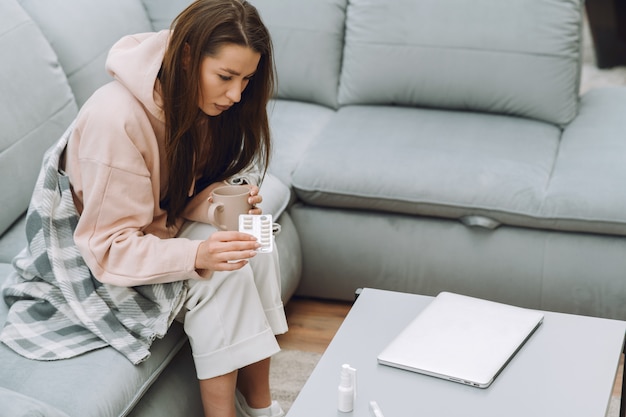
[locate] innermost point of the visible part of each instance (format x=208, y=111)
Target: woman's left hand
x=254, y=199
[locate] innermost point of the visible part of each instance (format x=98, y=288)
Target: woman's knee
x=220, y=283
x=265, y=266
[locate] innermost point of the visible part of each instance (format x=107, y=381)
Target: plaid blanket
x=57, y=308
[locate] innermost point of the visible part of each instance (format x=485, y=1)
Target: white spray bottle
x=347, y=389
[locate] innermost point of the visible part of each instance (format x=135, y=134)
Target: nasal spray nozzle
x=347, y=389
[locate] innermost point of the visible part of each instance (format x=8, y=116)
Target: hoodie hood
x=135, y=61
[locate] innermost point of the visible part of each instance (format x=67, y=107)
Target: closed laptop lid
x=462, y=339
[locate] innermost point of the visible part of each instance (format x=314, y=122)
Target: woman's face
x=223, y=77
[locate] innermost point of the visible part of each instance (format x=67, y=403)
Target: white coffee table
x=567, y=368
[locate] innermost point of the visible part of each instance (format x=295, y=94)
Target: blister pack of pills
x=259, y=226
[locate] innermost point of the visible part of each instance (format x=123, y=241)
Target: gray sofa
x=443, y=145
x=420, y=146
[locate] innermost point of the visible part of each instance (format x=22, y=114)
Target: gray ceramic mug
x=228, y=203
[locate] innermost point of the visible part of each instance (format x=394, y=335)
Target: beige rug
x=290, y=370
x=613, y=407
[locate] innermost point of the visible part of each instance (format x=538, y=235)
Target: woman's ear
x=186, y=56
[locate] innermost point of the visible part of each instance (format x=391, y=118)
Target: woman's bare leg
x=218, y=395
x=253, y=382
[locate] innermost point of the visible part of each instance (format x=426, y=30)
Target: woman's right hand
x=226, y=251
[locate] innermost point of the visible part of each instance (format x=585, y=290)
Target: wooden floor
x=313, y=323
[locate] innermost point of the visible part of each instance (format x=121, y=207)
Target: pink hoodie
x=115, y=164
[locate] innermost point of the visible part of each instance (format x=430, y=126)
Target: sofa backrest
x=162, y=12
x=36, y=106
x=52, y=56
x=81, y=33
x=515, y=57
x=308, y=40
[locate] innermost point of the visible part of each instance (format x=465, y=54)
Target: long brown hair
x=235, y=138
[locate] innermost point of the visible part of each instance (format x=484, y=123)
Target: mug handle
x=213, y=209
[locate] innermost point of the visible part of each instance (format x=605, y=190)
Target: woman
x=185, y=114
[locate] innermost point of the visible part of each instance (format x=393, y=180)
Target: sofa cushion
x=294, y=126
x=276, y=195
x=5, y=269
x=13, y=240
x=308, y=45
x=586, y=189
x=82, y=53
x=514, y=57
x=483, y=169
x=36, y=105
x=101, y=383
x=18, y=405
x=113, y=385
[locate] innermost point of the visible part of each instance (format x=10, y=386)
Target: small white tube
x=375, y=409
x=346, y=392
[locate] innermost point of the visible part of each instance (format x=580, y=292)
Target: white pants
x=232, y=317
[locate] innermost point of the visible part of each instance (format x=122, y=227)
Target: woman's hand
x=226, y=251
x=254, y=199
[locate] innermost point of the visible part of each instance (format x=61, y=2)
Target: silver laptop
x=462, y=339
